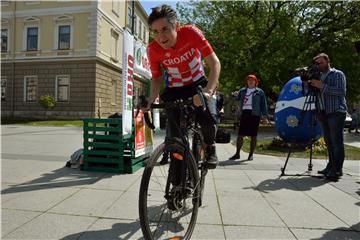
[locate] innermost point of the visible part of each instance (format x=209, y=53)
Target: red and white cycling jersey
x=183, y=61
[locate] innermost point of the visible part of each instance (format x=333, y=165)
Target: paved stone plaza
x=41, y=199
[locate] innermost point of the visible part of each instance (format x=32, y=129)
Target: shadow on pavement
x=358, y=193
x=351, y=137
x=342, y=233
x=62, y=177
x=230, y=162
x=117, y=231
x=164, y=221
x=301, y=183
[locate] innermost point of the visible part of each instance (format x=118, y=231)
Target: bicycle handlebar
x=143, y=103
x=202, y=97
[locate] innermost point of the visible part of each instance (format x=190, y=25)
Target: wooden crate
x=103, y=145
x=105, y=150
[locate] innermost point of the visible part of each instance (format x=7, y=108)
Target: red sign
x=139, y=135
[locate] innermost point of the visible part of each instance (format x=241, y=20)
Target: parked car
x=348, y=120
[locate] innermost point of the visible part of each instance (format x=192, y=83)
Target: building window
x=28, y=2
x=135, y=25
x=5, y=2
x=4, y=40
x=116, y=7
x=140, y=28
x=62, y=88
x=144, y=34
x=129, y=17
x=114, y=46
x=30, y=88
x=64, y=37
x=3, y=88
x=113, y=92
x=63, y=32
x=32, y=39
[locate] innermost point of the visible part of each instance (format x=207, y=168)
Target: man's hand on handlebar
x=197, y=99
x=144, y=104
x=145, y=108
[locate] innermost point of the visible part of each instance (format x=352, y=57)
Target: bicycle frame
x=183, y=183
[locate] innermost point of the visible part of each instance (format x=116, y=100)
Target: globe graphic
x=293, y=124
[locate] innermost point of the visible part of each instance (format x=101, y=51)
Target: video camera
x=307, y=74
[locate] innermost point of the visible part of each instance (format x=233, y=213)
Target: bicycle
x=170, y=195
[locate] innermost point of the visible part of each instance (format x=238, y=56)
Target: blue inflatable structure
x=292, y=125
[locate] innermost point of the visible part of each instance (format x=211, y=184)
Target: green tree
x=272, y=39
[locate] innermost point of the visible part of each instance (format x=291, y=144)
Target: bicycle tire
x=144, y=193
x=198, y=152
x=197, y=148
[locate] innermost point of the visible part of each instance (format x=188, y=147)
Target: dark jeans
x=333, y=127
x=208, y=127
x=205, y=119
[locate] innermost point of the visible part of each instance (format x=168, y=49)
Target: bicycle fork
x=177, y=178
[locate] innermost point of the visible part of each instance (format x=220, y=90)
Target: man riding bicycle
x=178, y=50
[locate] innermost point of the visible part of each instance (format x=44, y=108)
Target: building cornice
x=50, y=60
x=48, y=11
x=142, y=10
x=110, y=20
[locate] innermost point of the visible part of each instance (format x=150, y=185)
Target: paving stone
x=251, y=232
x=113, y=229
x=236, y=187
x=88, y=202
x=230, y=174
x=12, y=219
x=322, y=234
x=126, y=207
x=203, y=231
x=248, y=211
x=120, y=182
x=39, y=200
x=53, y=226
x=298, y=210
x=209, y=212
x=339, y=203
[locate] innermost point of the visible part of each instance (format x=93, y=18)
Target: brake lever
x=199, y=90
x=144, y=103
x=148, y=121
x=141, y=103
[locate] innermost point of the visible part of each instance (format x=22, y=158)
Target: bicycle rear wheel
x=164, y=213
x=198, y=150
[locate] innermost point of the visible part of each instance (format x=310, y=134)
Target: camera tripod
x=312, y=103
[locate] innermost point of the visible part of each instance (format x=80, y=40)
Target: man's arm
x=155, y=90
x=340, y=86
x=264, y=110
x=214, y=64
x=338, y=90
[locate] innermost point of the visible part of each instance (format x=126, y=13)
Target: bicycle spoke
x=169, y=211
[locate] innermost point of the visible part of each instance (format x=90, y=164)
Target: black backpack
x=222, y=136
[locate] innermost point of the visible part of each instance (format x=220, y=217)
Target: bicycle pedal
x=210, y=165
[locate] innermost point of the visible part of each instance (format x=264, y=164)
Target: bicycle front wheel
x=165, y=214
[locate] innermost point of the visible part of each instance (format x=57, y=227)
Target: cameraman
x=332, y=85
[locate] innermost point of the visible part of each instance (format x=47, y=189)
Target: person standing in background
x=253, y=108
x=332, y=85
x=216, y=105
x=354, y=122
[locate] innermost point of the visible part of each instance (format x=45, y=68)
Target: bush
x=318, y=147
x=277, y=142
x=47, y=101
